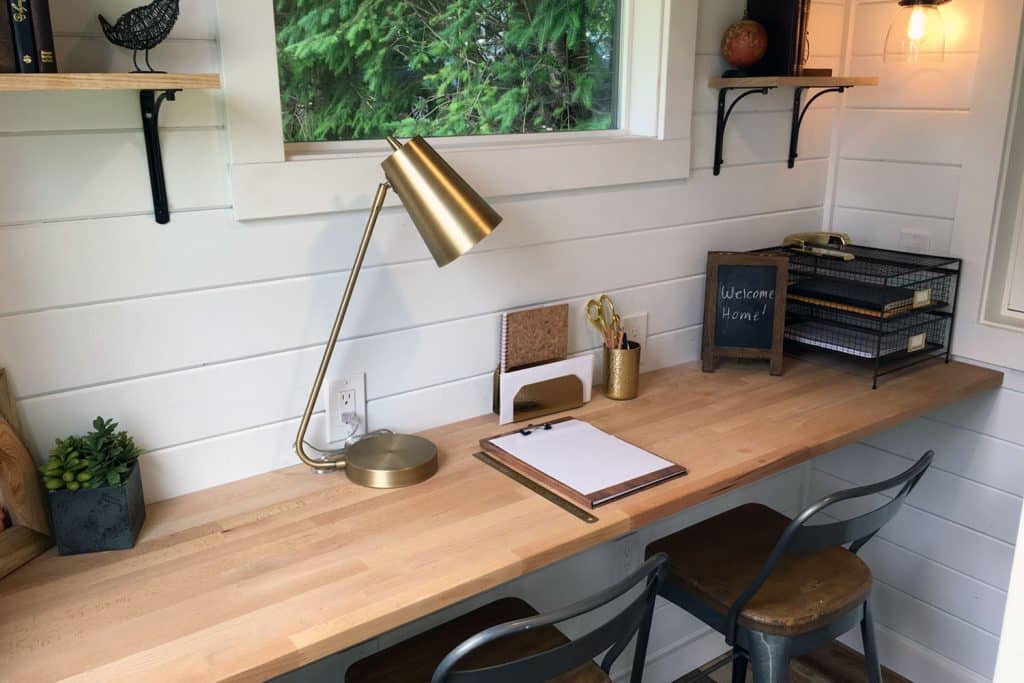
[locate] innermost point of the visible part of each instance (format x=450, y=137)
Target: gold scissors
x=601, y=314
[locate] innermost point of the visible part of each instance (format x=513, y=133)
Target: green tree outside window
x=365, y=69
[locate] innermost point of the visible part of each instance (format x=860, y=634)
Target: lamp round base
x=391, y=461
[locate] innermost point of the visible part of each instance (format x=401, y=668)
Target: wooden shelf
x=794, y=82
x=147, y=85
x=761, y=85
x=107, y=81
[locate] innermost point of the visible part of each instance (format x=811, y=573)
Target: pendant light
x=917, y=33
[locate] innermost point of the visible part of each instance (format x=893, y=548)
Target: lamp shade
x=449, y=214
x=917, y=33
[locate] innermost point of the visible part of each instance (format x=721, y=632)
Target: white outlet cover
x=917, y=241
x=337, y=426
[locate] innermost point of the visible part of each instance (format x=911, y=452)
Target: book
x=42, y=31
x=847, y=308
x=8, y=65
x=534, y=336
x=860, y=294
x=781, y=19
x=862, y=344
x=578, y=461
x=803, y=46
x=24, y=41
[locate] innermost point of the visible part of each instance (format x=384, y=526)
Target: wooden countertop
x=255, y=578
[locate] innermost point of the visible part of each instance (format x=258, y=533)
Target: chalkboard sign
x=745, y=308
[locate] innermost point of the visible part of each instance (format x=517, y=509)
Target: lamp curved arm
x=321, y=374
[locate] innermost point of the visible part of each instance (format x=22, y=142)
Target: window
x=365, y=69
x=638, y=80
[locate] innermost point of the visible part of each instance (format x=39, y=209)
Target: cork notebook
x=534, y=336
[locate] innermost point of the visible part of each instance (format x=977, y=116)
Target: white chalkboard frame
x=710, y=353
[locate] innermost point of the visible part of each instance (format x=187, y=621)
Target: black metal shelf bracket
x=150, y=103
x=723, y=119
x=798, y=116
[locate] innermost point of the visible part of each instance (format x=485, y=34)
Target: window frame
x=270, y=178
x=979, y=335
x=1005, y=268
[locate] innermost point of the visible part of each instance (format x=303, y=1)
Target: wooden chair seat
x=718, y=558
x=414, y=660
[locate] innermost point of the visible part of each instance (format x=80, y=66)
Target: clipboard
x=576, y=460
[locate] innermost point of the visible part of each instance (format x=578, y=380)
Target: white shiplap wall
x=201, y=337
x=942, y=567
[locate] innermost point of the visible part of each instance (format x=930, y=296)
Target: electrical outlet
x=635, y=327
x=346, y=407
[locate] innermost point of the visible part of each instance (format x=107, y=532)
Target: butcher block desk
x=259, y=577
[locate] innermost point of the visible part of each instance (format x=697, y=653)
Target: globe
x=744, y=43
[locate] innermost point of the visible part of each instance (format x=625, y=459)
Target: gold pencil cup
x=622, y=372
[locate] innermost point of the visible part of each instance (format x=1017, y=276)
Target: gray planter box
x=95, y=520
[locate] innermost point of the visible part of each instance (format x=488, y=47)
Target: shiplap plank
x=93, y=54
x=825, y=29
x=885, y=230
x=969, y=454
x=974, y=505
x=933, y=137
x=762, y=136
x=935, y=629
x=198, y=19
x=956, y=593
x=194, y=466
x=997, y=415
x=912, y=660
x=153, y=259
x=963, y=20
x=233, y=396
x=952, y=545
x=95, y=175
x=144, y=336
x=941, y=85
x=33, y=112
x=917, y=189
x=715, y=17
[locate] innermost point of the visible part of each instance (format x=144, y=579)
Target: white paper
x=581, y=456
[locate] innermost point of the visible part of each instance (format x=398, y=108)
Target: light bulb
x=916, y=29
x=917, y=33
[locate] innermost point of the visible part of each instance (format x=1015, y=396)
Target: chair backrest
x=610, y=638
x=856, y=531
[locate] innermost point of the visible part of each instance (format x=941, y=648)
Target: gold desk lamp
x=451, y=218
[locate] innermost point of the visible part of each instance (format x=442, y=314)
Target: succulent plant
x=103, y=457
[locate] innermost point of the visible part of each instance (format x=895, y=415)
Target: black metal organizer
x=883, y=343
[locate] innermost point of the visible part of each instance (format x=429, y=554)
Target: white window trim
x=979, y=335
x=268, y=179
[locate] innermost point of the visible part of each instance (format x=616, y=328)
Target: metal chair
x=517, y=645
x=777, y=588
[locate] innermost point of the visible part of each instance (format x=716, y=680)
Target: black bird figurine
x=143, y=28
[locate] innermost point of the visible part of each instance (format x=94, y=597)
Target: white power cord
x=333, y=455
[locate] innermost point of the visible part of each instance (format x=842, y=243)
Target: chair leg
x=739, y=666
x=867, y=632
x=769, y=659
